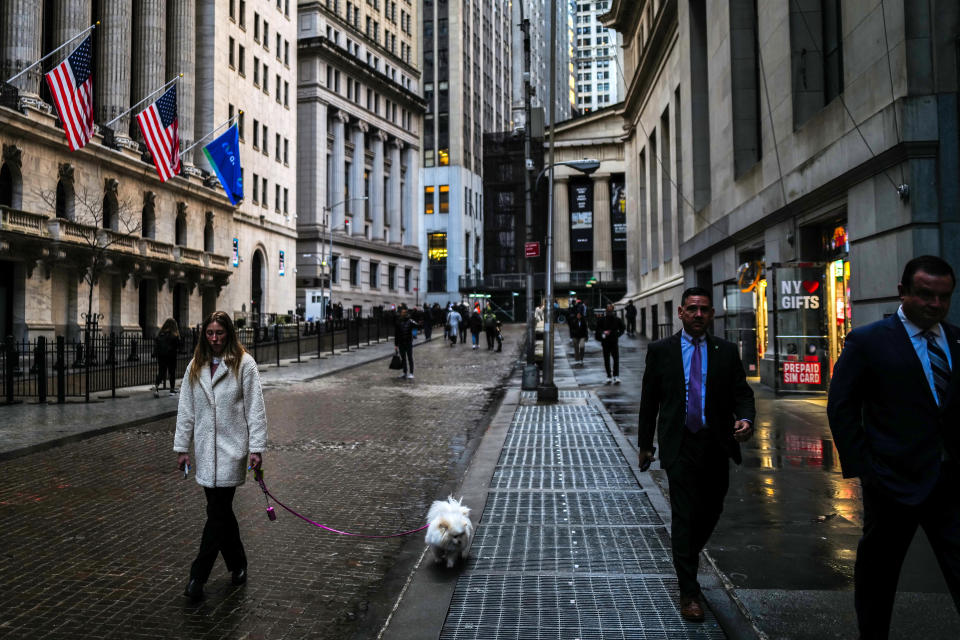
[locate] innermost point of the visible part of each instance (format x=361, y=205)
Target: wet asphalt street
x=788, y=536
x=99, y=534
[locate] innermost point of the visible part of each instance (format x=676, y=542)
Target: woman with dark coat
x=403, y=340
x=476, y=326
x=165, y=348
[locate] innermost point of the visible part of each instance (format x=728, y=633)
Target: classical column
x=337, y=161
x=602, y=238
x=561, y=228
x=376, y=187
x=358, y=207
x=312, y=163
x=21, y=38
x=68, y=19
x=410, y=215
x=112, y=81
x=181, y=53
x=149, y=38
x=394, y=202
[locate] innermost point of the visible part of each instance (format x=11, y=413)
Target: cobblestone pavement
x=98, y=535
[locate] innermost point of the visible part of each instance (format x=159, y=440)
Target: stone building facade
x=164, y=245
x=809, y=149
x=360, y=117
x=247, y=61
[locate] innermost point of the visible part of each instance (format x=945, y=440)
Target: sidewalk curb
x=409, y=619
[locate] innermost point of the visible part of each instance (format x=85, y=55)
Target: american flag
x=158, y=122
x=71, y=84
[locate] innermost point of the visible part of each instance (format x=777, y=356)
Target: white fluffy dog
x=450, y=530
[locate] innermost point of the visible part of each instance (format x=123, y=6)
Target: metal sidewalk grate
x=549, y=455
x=562, y=395
x=565, y=549
x=618, y=477
x=621, y=508
x=575, y=608
x=520, y=438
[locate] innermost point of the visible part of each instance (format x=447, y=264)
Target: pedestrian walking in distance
x=579, y=331
x=490, y=326
x=476, y=326
x=609, y=330
x=696, y=398
x=221, y=413
x=894, y=410
x=165, y=348
x=403, y=340
x=631, y=313
x=454, y=322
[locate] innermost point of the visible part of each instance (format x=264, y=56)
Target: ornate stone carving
x=65, y=172
x=111, y=186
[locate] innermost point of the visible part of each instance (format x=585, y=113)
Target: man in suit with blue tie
x=894, y=410
x=696, y=398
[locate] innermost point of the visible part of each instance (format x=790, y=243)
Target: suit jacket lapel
x=902, y=342
x=677, y=359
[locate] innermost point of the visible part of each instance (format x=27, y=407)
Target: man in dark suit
x=696, y=397
x=894, y=406
x=609, y=330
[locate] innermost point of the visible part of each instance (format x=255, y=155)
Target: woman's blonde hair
x=170, y=326
x=232, y=349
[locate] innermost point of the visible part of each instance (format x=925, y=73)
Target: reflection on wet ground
x=791, y=521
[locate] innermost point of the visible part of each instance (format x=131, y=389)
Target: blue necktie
x=694, y=391
x=939, y=365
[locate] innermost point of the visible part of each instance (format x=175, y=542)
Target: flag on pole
x=223, y=154
x=71, y=85
x=158, y=122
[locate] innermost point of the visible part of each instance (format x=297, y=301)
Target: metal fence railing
x=53, y=370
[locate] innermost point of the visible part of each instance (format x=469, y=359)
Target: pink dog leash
x=258, y=476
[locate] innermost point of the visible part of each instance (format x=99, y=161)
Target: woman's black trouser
x=167, y=369
x=221, y=535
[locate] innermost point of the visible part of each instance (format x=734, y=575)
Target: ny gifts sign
x=800, y=294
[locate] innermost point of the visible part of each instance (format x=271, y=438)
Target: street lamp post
x=328, y=211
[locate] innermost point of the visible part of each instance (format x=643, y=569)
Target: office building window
x=354, y=272
x=406, y=279
x=392, y=277
x=428, y=199
x=436, y=262
x=444, y=198
x=374, y=275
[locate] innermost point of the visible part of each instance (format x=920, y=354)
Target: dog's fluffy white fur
x=450, y=531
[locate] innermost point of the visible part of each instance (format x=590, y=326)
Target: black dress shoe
x=239, y=577
x=194, y=590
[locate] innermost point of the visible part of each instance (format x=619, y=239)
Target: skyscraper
x=466, y=85
x=599, y=59
x=536, y=13
x=359, y=114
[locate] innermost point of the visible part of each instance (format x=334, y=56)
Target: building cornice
x=321, y=46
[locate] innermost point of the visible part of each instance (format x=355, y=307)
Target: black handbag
x=396, y=362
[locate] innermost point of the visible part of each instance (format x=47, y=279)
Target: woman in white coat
x=221, y=412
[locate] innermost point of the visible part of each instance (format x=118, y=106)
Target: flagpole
x=212, y=131
x=153, y=93
x=65, y=44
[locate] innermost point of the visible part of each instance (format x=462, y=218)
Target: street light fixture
x=323, y=260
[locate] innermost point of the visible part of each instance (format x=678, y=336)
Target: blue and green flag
x=223, y=154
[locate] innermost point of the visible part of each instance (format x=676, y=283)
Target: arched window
x=110, y=211
x=65, y=199
x=180, y=232
x=208, y=233
x=148, y=216
x=10, y=186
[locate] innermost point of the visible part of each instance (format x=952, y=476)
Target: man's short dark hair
x=696, y=291
x=934, y=265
